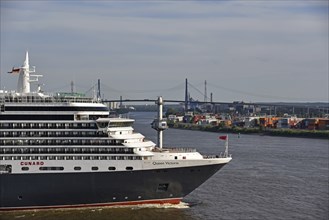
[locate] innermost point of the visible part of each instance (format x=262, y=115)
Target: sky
x=252, y=51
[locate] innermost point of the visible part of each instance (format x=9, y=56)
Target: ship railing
x=13, y=97
x=176, y=150
x=221, y=155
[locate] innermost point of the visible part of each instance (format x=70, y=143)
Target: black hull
x=29, y=191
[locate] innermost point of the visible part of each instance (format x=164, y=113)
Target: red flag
x=14, y=70
x=223, y=137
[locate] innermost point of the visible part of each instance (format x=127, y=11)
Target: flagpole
x=226, y=146
x=225, y=138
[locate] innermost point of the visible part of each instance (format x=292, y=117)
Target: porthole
x=112, y=168
x=94, y=168
x=25, y=168
x=77, y=168
x=129, y=168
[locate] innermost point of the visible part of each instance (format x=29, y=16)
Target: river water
x=268, y=178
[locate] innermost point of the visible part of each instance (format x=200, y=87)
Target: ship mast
x=23, y=85
x=160, y=124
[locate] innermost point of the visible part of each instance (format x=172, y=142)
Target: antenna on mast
x=72, y=87
x=99, y=89
x=205, y=91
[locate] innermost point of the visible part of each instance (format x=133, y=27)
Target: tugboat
x=64, y=151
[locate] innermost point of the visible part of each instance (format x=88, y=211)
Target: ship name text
x=31, y=163
x=165, y=163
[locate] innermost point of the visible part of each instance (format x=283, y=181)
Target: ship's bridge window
x=121, y=124
x=84, y=117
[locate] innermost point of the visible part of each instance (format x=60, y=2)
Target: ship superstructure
x=63, y=150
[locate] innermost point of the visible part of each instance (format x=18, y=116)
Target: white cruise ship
x=63, y=151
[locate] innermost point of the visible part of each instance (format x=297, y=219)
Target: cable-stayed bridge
x=187, y=87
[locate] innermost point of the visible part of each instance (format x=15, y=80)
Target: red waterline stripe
x=173, y=201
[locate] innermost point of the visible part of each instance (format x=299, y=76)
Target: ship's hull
x=61, y=190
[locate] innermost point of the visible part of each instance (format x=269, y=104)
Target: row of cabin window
x=11, y=98
x=52, y=134
x=75, y=168
x=60, y=142
x=48, y=125
x=68, y=150
x=70, y=158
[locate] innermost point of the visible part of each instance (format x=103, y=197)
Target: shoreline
x=280, y=132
